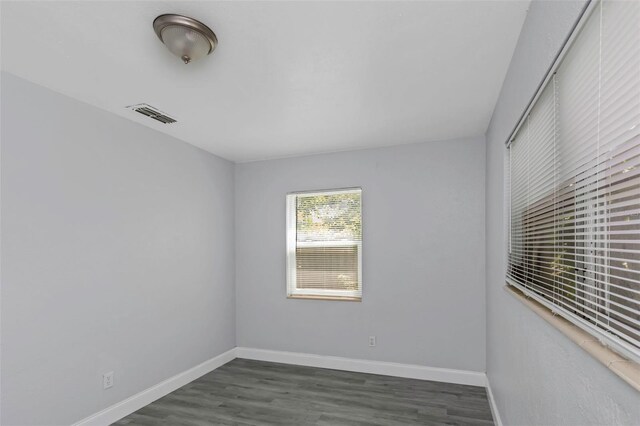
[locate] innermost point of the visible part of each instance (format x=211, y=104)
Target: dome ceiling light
x=185, y=37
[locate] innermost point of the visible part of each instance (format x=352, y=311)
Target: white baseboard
x=147, y=396
x=462, y=377
x=124, y=408
x=492, y=403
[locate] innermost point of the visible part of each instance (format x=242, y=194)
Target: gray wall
x=538, y=376
x=117, y=255
x=423, y=256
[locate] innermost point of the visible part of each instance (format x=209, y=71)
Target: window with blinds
x=324, y=244
x=573, y=182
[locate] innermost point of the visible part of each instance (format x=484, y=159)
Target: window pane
x=324, y=244
x=328, y=217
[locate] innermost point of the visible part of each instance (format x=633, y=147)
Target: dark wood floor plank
x=245, y=392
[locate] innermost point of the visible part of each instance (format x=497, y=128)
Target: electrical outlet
x=107, y=380
x=372, y=341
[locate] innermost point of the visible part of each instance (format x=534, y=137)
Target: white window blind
x=324, y=244
x=573, y=182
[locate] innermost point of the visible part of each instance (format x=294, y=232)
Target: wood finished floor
x=245, y=392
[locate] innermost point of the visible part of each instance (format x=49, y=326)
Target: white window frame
x=292, y=244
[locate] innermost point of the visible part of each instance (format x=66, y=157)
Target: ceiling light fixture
x=185, y=37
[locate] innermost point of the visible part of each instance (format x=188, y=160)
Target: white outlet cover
x=107, y=380
x=372, y=340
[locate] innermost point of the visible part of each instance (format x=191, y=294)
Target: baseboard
x=492, y=403
x=124, y=408
x=420, y=372
x=147, y=396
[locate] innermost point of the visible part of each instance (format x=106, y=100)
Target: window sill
x=335, y=298
x=627, y=370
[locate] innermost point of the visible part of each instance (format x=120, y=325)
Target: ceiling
x=287, y=78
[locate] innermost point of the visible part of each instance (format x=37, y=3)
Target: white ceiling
x=288, y=78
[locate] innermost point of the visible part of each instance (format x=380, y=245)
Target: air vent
x=152, y=112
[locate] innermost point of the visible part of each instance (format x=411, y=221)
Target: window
x=573, y=182
x=324, y=245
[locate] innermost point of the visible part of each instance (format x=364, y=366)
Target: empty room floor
x=245, y=392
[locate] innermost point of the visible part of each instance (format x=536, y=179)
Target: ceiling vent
x=152, y=112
